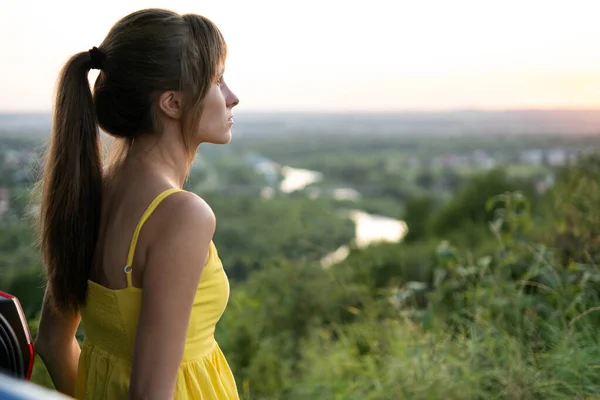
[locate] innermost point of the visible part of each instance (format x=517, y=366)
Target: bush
x=425, y=322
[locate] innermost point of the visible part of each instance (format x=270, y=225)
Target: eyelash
x=220, y=81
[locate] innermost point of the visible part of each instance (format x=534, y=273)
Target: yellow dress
x=110, y=319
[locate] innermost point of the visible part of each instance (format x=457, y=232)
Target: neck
x=162, y=154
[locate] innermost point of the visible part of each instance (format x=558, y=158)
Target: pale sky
x=330, y=55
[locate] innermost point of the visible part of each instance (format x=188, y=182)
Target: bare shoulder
x=185, y=213
x=181, y=230
x=188, y=206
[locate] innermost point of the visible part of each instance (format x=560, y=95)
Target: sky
x=330, y=55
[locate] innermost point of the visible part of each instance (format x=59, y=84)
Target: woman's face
x=217, y=114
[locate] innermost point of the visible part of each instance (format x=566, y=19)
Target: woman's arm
x=57, y=346
x=172, y=271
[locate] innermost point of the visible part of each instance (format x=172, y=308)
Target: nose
x=232, y=99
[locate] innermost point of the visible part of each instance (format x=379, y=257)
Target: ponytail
x=71, y=188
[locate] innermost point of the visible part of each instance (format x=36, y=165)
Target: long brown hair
x=145, y=53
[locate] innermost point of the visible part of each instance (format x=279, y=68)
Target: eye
x=220, y=81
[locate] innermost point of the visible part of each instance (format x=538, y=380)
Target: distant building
x=532, y=157
x=556, y=157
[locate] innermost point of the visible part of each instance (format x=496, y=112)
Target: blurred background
x=409, y=207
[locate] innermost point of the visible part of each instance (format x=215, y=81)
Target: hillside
x=492, y=293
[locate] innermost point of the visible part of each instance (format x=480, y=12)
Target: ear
x=171, y=103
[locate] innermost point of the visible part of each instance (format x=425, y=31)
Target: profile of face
x=216, y=119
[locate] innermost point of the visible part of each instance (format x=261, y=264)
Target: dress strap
x=157, y=200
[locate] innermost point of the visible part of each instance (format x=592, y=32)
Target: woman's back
x=110, y=319
x=125, y=198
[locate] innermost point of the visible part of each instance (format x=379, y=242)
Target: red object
x=11, y=309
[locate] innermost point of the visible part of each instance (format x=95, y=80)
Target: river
x=370, y=228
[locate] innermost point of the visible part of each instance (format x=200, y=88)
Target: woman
x=125, y=249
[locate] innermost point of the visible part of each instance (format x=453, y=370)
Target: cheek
x=213, y=122
x=214, y=104
x=216, y=111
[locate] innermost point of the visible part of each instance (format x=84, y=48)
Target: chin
x=223, y=139
x=226, y=138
